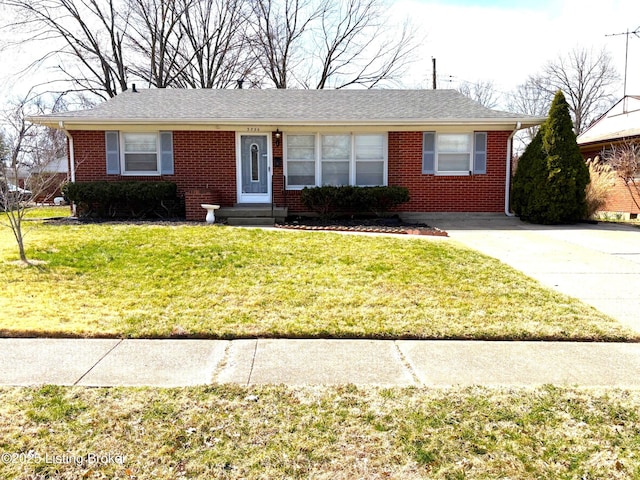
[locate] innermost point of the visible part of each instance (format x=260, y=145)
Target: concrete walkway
x=169, y=363
x=599, y=264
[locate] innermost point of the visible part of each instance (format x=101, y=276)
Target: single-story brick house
x=264, y=146
x=619, y=125
x=57, y=173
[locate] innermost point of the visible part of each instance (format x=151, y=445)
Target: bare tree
x=156, y=36
x=482, y=91
x=27, y=148
x=586, y=77
x=278, y=30
x=330, y=44
x=530, y=100
x=98, y=44
x=355, y=45
x=213, y=52
x=84, y=37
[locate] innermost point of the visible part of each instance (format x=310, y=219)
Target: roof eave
x=73, y=123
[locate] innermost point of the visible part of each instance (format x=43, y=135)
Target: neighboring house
x=57, y=172
x=264, y=146
x=619, y=125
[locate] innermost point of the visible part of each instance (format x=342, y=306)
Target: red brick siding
x=207, y=160
x=279, y=195
x=193, y=200
x=202, y=160
x=623, y=198
x=434, y=193
x=90, y=156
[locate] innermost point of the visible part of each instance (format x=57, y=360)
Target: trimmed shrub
x=124, y=199
x=350, y=200
x=322, y=200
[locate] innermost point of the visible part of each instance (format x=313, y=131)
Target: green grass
x=161, y=280
x=320, y=432
x=47, y=212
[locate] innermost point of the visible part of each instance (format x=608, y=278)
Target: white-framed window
x=139, y=153
x=454, y=153
x=335, y=159
x=370, y=153
x=301, y=160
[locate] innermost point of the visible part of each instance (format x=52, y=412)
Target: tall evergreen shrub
x=551, y=178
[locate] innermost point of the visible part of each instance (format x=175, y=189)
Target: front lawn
x=232, y=432
x=195, y=280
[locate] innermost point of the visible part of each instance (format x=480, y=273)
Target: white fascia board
x=230, y=124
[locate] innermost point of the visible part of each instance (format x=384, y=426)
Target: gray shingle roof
x=291, y=106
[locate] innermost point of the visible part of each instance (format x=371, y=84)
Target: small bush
x=603, y=178
x=349, y=200
x=124, y=199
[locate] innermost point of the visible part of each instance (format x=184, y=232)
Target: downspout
x=507, y=193
x=72, y=160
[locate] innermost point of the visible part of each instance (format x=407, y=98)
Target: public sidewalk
x=170, y=363
x=599, y=264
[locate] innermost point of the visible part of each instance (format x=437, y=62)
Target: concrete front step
x=252, y=212
x=251, y=221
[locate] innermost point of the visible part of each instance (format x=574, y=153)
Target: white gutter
x=82, y=123
x=72, y=160
x=507, y=181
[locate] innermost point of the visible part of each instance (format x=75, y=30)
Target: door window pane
x=255, y=159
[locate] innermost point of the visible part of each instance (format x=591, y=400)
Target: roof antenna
x=636, y=32
x=433, y=61
x=133, y=88
x=240, y=82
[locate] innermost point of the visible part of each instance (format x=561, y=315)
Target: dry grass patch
x=320, y=432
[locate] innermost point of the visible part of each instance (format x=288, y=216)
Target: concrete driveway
x=596, y=263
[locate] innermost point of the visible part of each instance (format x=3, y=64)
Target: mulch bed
x=393, y=225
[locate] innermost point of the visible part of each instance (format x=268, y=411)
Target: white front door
x=254, y=169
